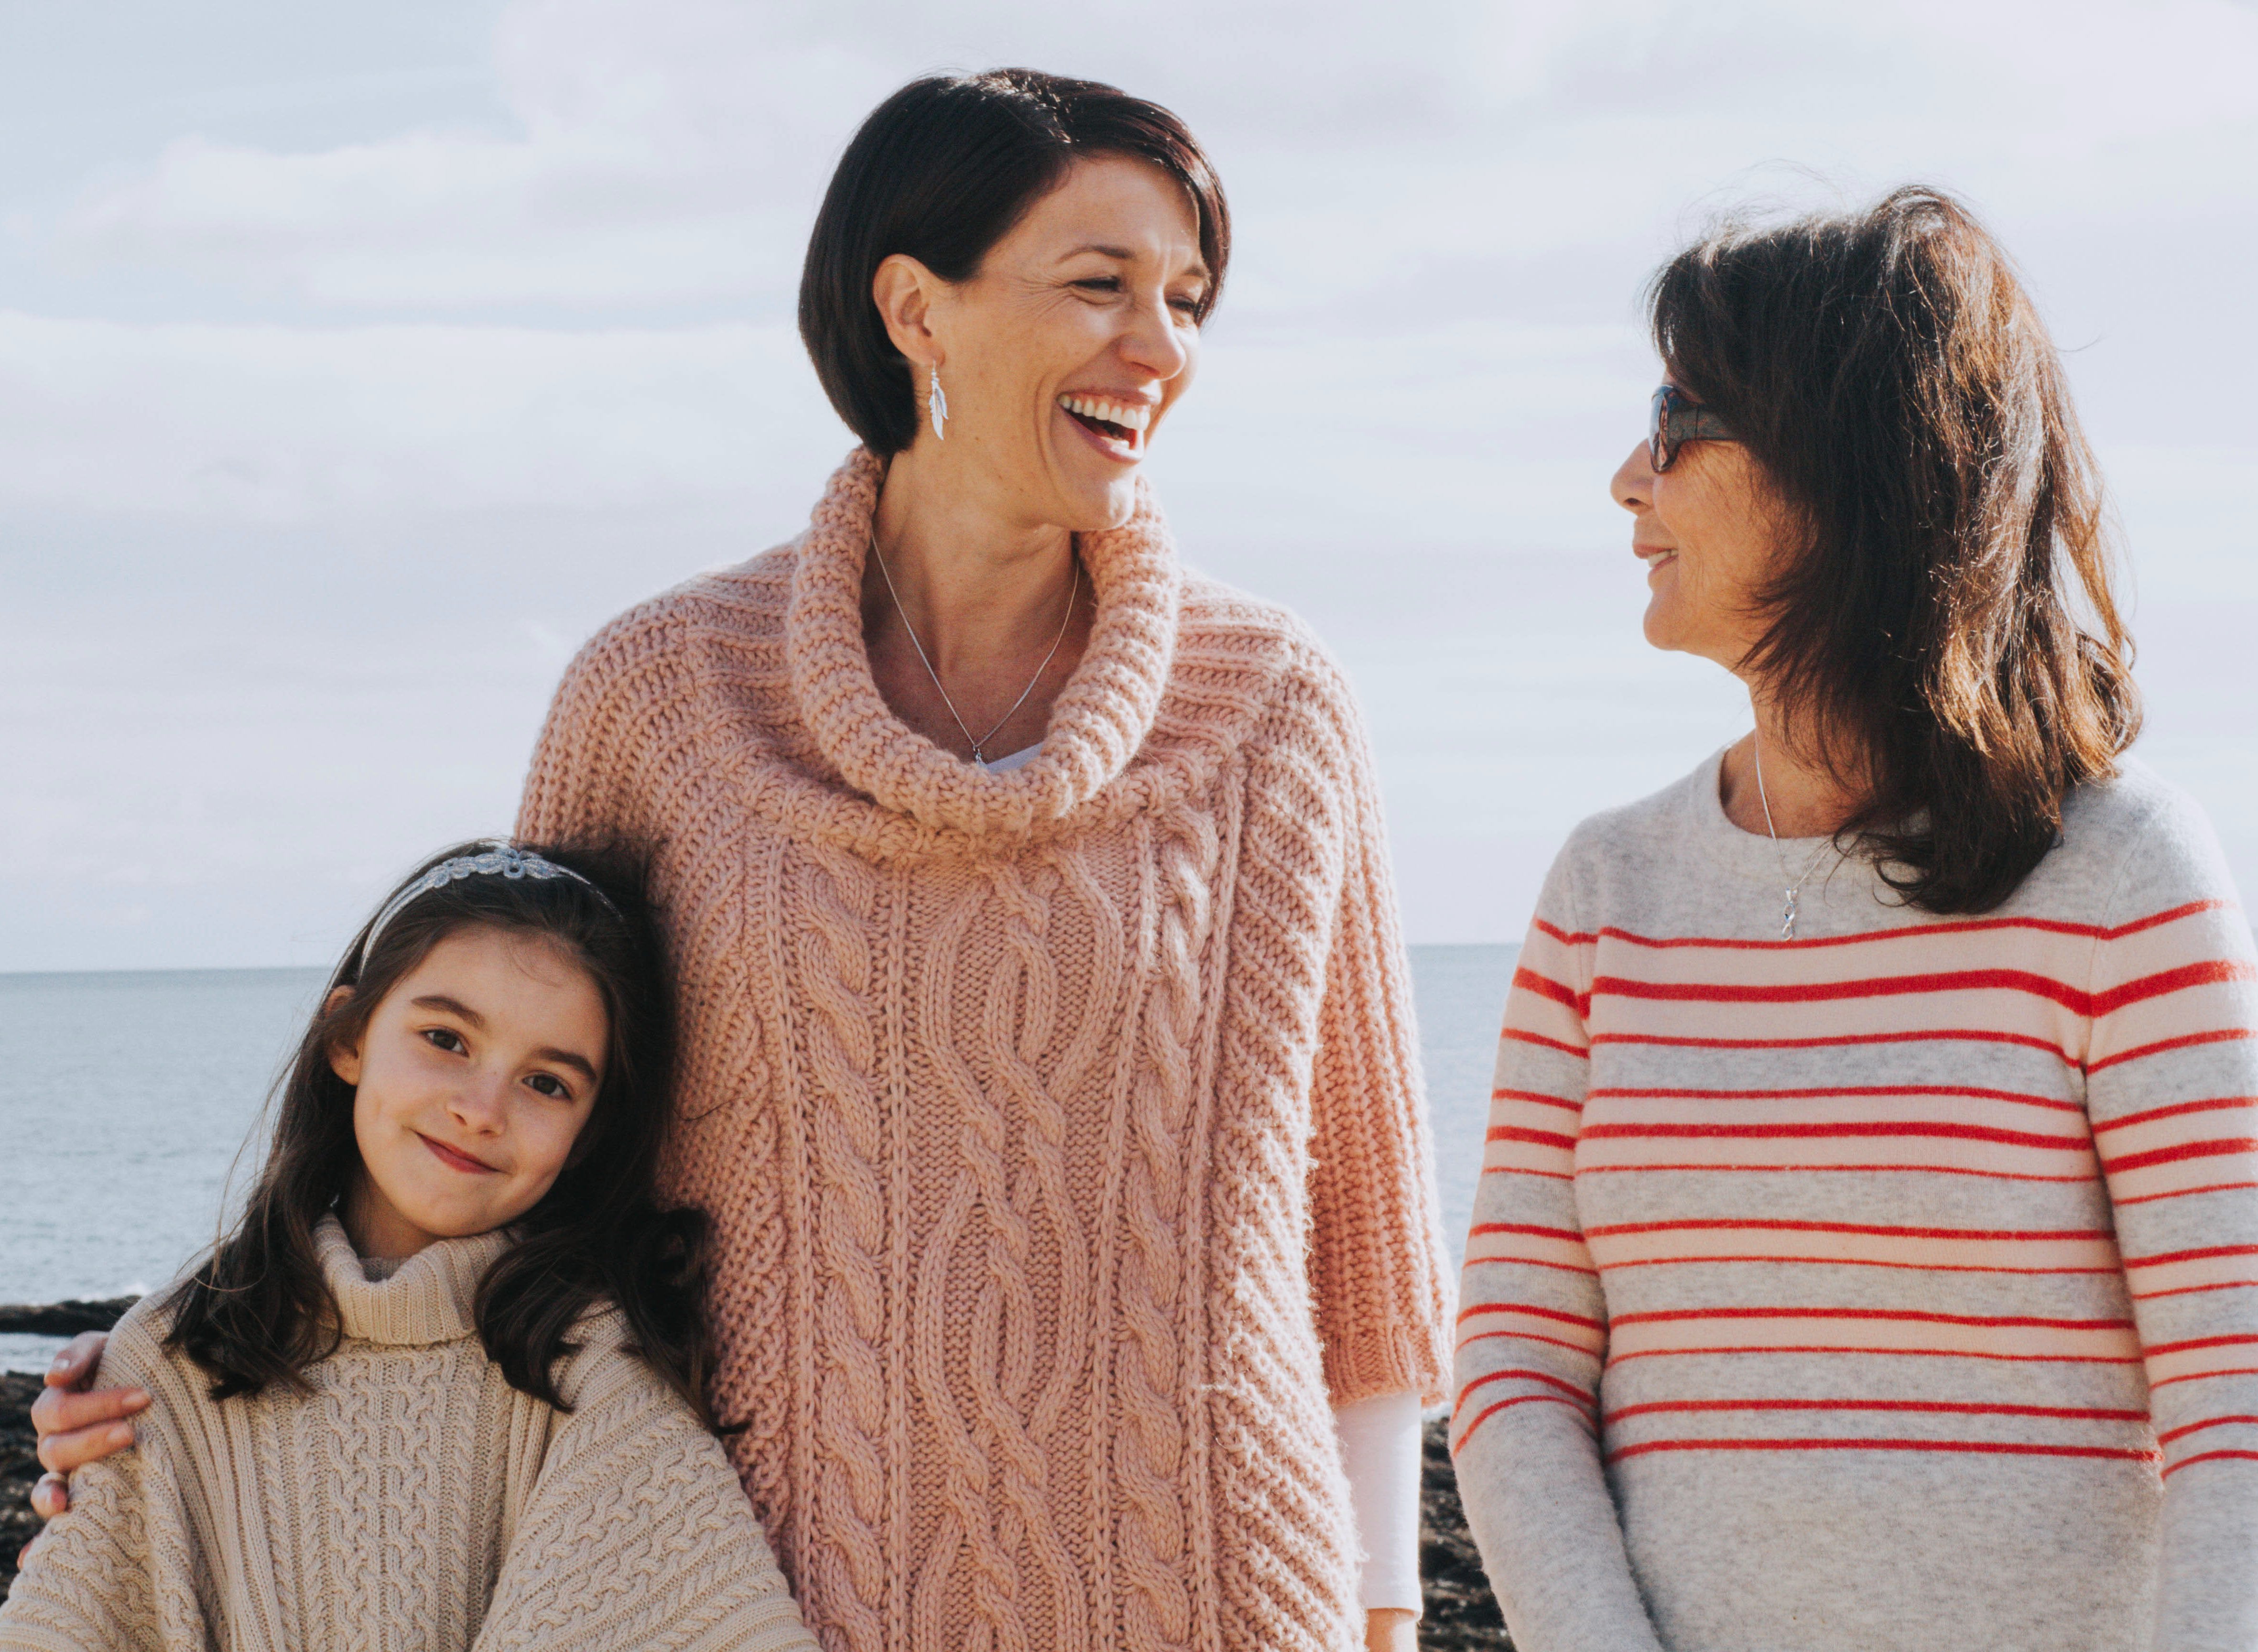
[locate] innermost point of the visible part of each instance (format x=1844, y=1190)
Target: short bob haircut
x=1947, y=642
x=941, y=172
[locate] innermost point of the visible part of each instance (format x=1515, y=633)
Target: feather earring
x=936, y=403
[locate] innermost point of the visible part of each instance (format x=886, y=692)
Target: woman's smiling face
x=1710, y=531
x=472, y=1081
x=1060, y=358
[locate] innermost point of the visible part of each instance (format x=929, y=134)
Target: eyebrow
x=548, y=1052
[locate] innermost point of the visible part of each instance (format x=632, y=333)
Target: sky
x=357, y=362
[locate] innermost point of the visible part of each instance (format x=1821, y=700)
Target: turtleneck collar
x=1100, y=719
x=429, y=1300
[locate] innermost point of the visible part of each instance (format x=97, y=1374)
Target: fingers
x=76, y=1447
x=66, y=1410
x=50, y=1497
x=82, y=1356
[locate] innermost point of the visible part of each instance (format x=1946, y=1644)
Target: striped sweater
x=1887, y=1288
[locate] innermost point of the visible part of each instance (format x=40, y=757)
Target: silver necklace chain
x=980, y=746
x=1790, y=895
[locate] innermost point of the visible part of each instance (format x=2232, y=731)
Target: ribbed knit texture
x=1062, y=1127
x=1890, y=1287
x=414, y=1501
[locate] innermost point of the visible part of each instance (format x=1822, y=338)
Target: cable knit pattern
x=412, y=1499
x=1062, y=1127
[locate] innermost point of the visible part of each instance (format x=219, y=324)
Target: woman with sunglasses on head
x=1866, y=1247
x=1048, y=1071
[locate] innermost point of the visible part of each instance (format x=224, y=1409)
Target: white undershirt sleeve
x=1379, y=1443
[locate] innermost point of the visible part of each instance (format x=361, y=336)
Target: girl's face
x=470, y=1082
x=1709, y=531
x=1060, y=358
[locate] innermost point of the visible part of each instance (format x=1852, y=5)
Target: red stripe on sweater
x=1527, y=980
x=1540, y=1313
x=2022, y=1098
x=1519, y=1037
x=2164, y=1258
x=2210, y=1456
x=2209, y=1104
x=1541, y=1137
x=2077, y=1414
x=2186, y=1192
x=1905, y=1353
x=1459, y=1444
x=2219, y=1148
x=1823, y=1170
x=2220, y=1035
x=1536, y=1096
x=2203, y=1376
x=2170, y=1436
x=1523, y=1227
x=1966, y=1035
x=1858, y=1132
x=1582, y=1396
x=1981, y=1448
x=1670, y=1316
x=1614, y=1229
x=2045, y=925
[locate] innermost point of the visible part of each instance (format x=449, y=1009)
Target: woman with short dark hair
x=1048, y=1073
x=1865, y=1251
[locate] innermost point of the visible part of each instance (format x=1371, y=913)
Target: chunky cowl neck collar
x=1097, y=725
x=430, y=1298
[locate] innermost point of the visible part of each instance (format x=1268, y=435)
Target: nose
x=1155, y=342
x=481, y=1105
x=1633, y=483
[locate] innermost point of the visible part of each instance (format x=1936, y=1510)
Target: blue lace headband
x=501, y=858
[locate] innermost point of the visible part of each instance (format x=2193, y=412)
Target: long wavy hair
x=260, y=1311
x=1949, y=641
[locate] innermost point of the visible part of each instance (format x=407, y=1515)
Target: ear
x=345, y=1060
x=905, y=292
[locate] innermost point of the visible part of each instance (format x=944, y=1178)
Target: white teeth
x=1129, y=415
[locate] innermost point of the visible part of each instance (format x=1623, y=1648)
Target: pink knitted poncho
x=1061, y=1128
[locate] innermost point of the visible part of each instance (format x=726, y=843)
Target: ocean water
x=127, y=1098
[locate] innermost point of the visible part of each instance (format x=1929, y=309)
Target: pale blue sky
x=356, y=362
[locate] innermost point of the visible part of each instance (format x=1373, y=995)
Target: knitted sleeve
x=580, y=787
x=1533, y=1331
x=1378, y=1271
x=638, y=1535
x=2172, y=1094
x=116, y=1573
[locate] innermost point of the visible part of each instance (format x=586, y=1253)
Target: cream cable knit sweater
x=415, y=1500
x=1061, y=1128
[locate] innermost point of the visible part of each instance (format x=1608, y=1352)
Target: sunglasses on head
x=1674, y=418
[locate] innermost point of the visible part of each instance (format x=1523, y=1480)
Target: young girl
x=441, y=1386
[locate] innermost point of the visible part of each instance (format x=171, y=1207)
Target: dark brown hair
x=1947, y=642
x=260, y=1310
x=941, y=172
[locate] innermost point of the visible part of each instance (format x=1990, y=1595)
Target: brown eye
x=445, y=1039
x=550, y=1085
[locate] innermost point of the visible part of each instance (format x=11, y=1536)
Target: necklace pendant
x=1788, y=918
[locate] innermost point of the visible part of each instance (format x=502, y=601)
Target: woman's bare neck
x=985, y=595
x=1799, y=797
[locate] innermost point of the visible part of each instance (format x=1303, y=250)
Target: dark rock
x=19, y=1464
x=18, y=1469
x=63, y=1319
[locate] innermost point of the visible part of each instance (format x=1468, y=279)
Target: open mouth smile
x=1115, y=429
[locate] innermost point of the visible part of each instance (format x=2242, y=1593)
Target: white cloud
x=286, y=598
